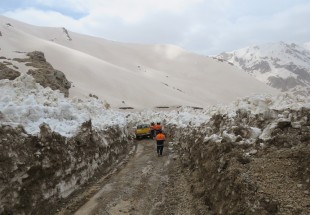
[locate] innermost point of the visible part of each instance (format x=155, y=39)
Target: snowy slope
x=129, y=74
x=280, y=65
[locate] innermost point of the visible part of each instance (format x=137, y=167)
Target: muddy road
x=146, y=184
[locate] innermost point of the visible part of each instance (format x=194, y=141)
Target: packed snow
x=24, y=102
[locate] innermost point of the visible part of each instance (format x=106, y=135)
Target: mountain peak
x=285, y=66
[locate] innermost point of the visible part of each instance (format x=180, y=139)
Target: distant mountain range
x=281, y=65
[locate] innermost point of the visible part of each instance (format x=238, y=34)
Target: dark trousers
x=160, y=147
x=153, y=133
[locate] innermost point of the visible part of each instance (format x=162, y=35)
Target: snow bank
x=187, y=116
x=234, y=162
x=25, y=102
x=182, y=117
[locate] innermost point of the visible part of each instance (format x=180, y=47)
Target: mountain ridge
x=281, y=65
x=124, y=74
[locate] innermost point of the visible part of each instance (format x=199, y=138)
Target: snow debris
x=255, y=132
x=213, y=138
x=24, y=102
x=229, y=137
x=266, y=134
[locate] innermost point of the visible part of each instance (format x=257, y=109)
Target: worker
x=160, y=139
x=157, y=127
x=152, y=129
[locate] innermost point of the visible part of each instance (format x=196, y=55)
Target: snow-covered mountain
x=280, y=65
x=133, y=75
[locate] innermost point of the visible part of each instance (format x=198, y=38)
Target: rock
x=296, y=125
x=37, y=154
x=52, y=78
x=44, y=73
x=284, y=123
x=37, y=56
x=8, y=73
x=271, y=206
x=1, y=116
x=253, y=152
x=242, y=132
x=65, y=31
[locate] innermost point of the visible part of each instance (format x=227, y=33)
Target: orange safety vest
x=157, y=127
x=160, y=136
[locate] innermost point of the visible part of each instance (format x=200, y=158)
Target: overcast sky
x=204, y=26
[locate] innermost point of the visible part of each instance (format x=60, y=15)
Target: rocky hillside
x=280, y=65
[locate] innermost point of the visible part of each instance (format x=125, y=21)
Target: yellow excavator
x=142, y=131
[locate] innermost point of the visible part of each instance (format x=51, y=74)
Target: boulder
x=45, y=74
x=8, y=73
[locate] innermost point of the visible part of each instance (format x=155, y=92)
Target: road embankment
x=249, y=163
x=40, y=171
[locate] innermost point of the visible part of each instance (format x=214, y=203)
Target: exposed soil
x=148, y=184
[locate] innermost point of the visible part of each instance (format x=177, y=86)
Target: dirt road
x=147, y=184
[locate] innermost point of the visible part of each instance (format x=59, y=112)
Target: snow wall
x=38, y=171
x=249, y=163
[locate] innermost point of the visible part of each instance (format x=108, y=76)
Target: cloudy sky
x=203, y=26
